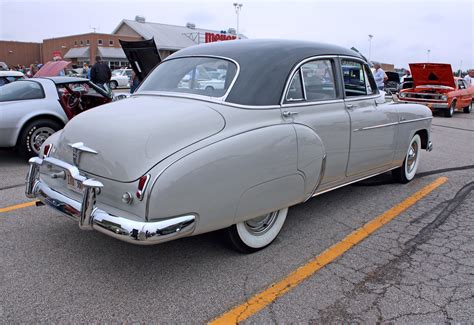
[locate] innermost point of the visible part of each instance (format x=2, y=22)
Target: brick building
x=20, y=53
x=83, y=48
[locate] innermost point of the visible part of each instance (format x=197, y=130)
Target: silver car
x=33, y=109
x=293, y=120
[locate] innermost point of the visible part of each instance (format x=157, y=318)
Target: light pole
x=238, y=7
x=370, y=45
x=428, y=51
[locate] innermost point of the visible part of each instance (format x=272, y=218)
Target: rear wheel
x=407, y=171
x=468, y=108
x=255, y=234
x=450, y=111
x=34, y=134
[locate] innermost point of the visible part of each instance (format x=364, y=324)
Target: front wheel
x=468, y=108
x=113, y=84
x=407, y=171
x=450, y=111
x=255, y=234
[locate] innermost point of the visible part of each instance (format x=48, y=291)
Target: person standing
x=406, y=75
x=134, y=83
x=469, y=78
x=380, y=76
x=100, y=73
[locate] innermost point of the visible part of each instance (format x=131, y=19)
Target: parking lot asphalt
x=419, y=267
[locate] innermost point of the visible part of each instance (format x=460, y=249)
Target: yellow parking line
x=266, y=297
x=18, y=206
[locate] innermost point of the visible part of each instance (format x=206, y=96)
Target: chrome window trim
x=223, y=97
x=332, y=101
x=303, y=85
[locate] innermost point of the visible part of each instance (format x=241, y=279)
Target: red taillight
x=47, y=149
x=142, y=183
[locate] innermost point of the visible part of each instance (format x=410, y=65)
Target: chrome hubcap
x=38, y=137
x=412, y=155
x=262, y=224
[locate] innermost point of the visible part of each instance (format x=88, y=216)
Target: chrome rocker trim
x=90, y=217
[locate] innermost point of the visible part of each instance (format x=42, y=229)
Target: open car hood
x=432, y=74
x=142, y=55
x=51, y=69
x=392, y=76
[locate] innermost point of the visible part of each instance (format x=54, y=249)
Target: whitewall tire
x=407, y=171
x=253, y=235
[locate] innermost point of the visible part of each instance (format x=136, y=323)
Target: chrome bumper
x=90, y=217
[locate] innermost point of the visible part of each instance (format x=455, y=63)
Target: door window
x=354, y=78
x=461, y=84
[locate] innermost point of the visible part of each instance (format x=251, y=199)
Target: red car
x=435, y=87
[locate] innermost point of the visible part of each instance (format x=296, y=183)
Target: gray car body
x=225, y=160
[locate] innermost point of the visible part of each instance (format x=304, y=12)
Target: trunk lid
x=432, y=74
x=132, y=135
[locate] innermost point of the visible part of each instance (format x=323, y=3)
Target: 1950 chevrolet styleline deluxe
x=289, y=120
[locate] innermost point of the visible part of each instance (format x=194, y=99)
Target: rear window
x=195, y=75
x=21, y=90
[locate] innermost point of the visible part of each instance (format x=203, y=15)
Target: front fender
x=235, y=179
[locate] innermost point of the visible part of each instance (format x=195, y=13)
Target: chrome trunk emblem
x=77, y=149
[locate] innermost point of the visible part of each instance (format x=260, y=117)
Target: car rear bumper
x=90, y=217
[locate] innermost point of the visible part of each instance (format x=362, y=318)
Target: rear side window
x=295, y=92
x=21, y=90
x=354, y=78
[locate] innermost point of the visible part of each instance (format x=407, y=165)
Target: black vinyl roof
x=265, y=65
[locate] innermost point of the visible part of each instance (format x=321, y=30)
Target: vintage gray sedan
x=293, y=120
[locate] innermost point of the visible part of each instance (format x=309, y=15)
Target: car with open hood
x=291, y=121
x=33, y=109
x=435, y=86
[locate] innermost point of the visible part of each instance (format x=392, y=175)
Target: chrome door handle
x=289, y=114
x=350, y=106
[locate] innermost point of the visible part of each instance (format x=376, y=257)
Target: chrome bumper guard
x=430, y=146
x=90, y=217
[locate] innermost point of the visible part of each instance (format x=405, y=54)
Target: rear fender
x=235, y=179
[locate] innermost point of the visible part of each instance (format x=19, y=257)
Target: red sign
x=211, y=37
x=57, y=54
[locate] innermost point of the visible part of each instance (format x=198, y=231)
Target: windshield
x=117, y=73
x=195, y=75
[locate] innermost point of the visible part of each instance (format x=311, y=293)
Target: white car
x=120, y=78
x=9, y=76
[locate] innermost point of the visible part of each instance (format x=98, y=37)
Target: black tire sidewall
x=24, y=139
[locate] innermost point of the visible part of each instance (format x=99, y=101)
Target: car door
x=464, y=97
x=314, y=103
x=374, y=126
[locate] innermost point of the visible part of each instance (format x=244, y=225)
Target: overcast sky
x=403, y=30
